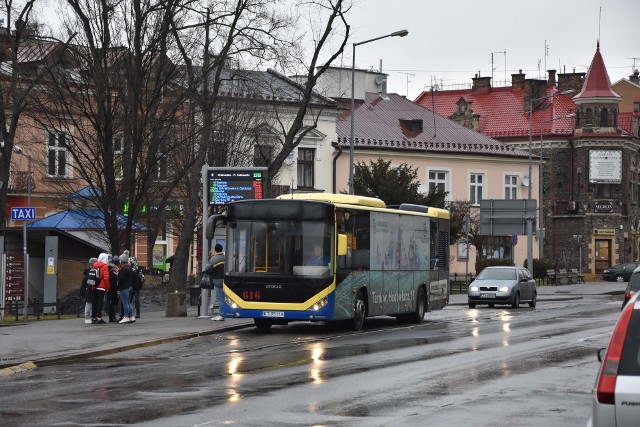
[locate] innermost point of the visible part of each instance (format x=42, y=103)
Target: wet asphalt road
x=485, y=366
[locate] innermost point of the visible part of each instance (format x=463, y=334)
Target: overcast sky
x=450, y=41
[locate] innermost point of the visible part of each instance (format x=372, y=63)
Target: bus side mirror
x=211, y=224
x=342, y=244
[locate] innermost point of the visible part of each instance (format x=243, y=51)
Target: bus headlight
x=231, y=303
x=318, y=305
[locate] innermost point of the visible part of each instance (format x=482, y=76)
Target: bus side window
x=361, y=259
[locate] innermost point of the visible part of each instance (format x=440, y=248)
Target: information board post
x=204, y=293
x=222, y=185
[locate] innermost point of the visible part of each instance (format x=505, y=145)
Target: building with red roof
x=591, y=169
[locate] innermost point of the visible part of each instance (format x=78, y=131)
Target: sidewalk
x=26, y=345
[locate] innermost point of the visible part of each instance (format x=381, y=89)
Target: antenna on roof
x=599, y=19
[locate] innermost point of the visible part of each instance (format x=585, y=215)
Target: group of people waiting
x=118, y=284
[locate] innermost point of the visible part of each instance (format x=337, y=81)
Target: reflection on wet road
x=458, y=361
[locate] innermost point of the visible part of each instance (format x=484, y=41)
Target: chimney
x=533, y=89
x=633, y=78
x=552, y=77
x=517, y=80
x=481, y=84
x=570, y=81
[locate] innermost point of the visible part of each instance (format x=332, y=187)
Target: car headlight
x=318, y=305
x=504, y=289
x=474, y=288
x=606, y=271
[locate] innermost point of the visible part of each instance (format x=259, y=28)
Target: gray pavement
x=26, y=345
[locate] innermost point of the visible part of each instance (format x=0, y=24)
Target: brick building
x=590, y=170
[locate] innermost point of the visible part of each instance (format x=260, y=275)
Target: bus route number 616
x=251, y=295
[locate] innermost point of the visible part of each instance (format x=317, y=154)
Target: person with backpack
x=125, y=285
x=86, y=289
x=101, y=288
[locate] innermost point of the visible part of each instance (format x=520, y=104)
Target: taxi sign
x=23, y=214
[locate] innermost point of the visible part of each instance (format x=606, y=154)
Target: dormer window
x=414, y=125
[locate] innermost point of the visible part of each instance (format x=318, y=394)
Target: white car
x=503, y=285
x=616, y=395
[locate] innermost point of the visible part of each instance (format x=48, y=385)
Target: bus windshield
x=280, y=247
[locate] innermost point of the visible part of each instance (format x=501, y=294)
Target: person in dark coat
x=112, y=294
x=125, y=287
x=215, y=270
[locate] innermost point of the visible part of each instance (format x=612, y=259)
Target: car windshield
x=497, y=274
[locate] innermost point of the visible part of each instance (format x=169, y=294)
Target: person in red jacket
x=103, y=286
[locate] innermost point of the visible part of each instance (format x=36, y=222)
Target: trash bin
x=194, y=295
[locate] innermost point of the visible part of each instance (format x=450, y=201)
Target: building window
x=603, y=191
x=437, y=181
x=511, y=187
x=476, y=188
x=57, y=154
x=262, y=155
x=604, y=117
x=306, y=158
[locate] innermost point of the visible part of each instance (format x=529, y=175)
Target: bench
x=566, y=277
x=552, y=278
x=579, y=276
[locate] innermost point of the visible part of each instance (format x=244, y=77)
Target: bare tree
x=250, y=30
x=117, y=111
x=17, y=82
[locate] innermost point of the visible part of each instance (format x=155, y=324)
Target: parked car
x=633, y=287
x=616, y=394
x=503, y=285
x=620, y=272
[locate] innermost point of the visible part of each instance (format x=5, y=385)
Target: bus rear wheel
x=418, y=315
x=359, y=312
x=262, y=324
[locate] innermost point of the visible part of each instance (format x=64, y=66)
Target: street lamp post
x=529, y=186
x=19, y=150
x=541, y=189
x=400, y=33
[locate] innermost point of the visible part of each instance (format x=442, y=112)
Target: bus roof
x=346, y=199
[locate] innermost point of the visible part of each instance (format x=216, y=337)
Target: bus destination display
x=228, y=185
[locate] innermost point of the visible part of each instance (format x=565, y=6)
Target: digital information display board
x=226, y=185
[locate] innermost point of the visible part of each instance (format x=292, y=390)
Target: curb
x=567, y=298
x=16, y=369
x=30, y=365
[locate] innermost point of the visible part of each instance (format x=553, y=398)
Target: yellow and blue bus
x=329, y=257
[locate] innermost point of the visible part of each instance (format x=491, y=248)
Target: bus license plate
x=487, y=295
x=273, y=313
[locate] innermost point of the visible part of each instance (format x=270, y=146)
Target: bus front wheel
x=359, y=312
x=418, y=315
x=262, y=324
